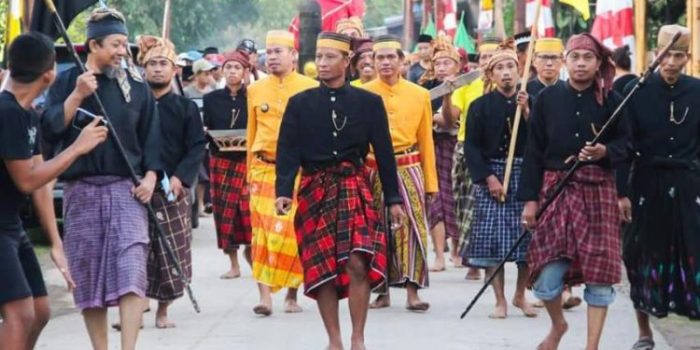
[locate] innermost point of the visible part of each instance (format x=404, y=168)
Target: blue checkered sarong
x=496, y=226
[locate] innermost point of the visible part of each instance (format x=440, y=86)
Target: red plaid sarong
x=336, y=217
x=582, y=225
x=230, y=200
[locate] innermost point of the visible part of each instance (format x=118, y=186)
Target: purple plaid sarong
x=106, y=240
x=443, y=208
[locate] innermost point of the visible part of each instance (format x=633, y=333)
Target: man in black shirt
x=577, y=240
x=227, y=109
x=182, y=152
x=661, y=245
x=24, y=304
x=548, y=60
x=108, y=261
x=496, y=224
x=340, y=233
x=425, y=55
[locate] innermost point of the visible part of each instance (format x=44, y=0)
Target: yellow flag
x=486, y=5
x=13, y=26
x=580, y=6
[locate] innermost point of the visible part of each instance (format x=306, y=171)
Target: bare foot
x=381, y=302
x=438, y=266
x=291, y=306
x=527, y=308
x=117, y=326
x=262, y=310
x=334, y=347
x=163, y=323
x=571, y=302
x=231, y=274
x=417, y=306
x=473, y=274
x=500, y=312
x=551, y=342
x=358, y=345
x=457, y=261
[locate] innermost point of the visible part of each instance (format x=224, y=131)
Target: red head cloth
x=239, y=56
x=604, y=77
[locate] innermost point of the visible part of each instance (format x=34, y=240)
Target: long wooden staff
x=160, y=234
x=519, y=109
x=559, y=187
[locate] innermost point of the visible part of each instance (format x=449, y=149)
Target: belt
x=260, y=156
x=402, y=160
x=408, y=150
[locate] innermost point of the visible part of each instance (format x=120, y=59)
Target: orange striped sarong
x=275, y=253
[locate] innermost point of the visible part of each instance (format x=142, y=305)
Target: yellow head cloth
x=152, y=46
x=334, y=41
x=549, y=45
x=350, y=23
x=386, y=42
x=279, y=37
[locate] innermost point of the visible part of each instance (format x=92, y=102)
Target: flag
x=429, y=28
x=485, y=15
x=462, y=38
x=580, y=6
x=42, y=19
x=13, y=24
x=614, y=24
x=331, y=12
x=545, y=26
x=449, y=20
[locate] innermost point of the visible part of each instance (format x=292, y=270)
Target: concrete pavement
x=227, y=322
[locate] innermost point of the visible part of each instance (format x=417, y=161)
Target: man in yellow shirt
x=455, y=109
x=410, y=125
x=276, y=263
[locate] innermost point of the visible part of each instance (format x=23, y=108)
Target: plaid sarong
x=497, y=225
x=231, y=201
x=443, y=208
x=275, y=254
x=463, y=191
x=582, y=225
x=407, y=258
x=336, y=217
x=175, y=218
x=106, y=240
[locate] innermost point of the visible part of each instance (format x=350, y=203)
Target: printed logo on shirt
x=32, y=137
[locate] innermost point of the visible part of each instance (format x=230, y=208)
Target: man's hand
x=528, y=218
x=86, y=84
x=59, y=259
x=495, y=187
x=625, y=206
x=283, y=205
x=523, y=99
x=144, y=191
x=91, y=136
x=431, y=197
x=176, y=187
x=397, y=216
x=590, y=153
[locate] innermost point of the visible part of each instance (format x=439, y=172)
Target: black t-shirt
x=19, y=137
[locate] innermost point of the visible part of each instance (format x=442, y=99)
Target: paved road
x=227, y=322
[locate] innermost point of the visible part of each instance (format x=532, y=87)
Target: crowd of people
x=334, y=177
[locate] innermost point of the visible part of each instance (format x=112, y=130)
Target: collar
x=590, y=89
x=337, y=91
x=167, y=96
x=390, y=87
x=286, y=80
x=241, y=92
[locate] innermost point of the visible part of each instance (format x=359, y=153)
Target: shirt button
x=671, y=138
x=509, y=102
x=335, y=134
x=578, y=113
x=577, y=135
x=335, y=153
x=670, y=155
x=579, y=95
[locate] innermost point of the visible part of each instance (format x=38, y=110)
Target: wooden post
x=408, y=24
x=520, y=16
x=166, y=19
x=27, y=15
x=640, y=33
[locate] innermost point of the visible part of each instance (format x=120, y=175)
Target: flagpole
x=519, y=110
x=640, y=33
x=166, y=19
x=408, y=24
x=694, y=24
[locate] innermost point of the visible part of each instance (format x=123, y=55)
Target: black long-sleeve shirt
x=535, y=86
x=183, y=137
x=562, y=120
x=309, y=138
x=489, y=129
x=652, y=134
x=136, y=122
x=221, y=111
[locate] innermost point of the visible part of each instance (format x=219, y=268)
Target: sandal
x=645, y=343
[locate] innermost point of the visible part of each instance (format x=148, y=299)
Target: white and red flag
x=545, y=26
x=614, y=23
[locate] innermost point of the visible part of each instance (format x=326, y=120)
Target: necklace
x=334, y=118
x=235, y=113
x=672, y=116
